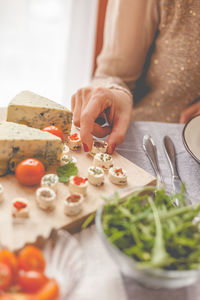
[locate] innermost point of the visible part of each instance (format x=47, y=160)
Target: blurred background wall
x=46, y=46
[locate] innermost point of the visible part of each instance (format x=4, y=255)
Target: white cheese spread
x=78, y=184
x=95, y=175
x=51, y=181
x=117, y=176
x=45, y=198
x=74, y=141
x=20, y=208
x=103, y=160
x=73, y=204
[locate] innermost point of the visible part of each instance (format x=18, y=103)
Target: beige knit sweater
x=152, y=48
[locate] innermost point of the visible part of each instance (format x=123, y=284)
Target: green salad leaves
x=151, y=230
x=66, y=171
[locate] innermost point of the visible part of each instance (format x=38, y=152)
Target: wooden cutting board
x=15, y=234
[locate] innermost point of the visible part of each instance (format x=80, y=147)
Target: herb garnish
x=152, y=231
x=66, y=171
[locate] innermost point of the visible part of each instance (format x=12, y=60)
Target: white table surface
x=102, y=279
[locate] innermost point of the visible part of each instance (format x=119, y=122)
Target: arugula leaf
x=152, y=231
x=66, y=171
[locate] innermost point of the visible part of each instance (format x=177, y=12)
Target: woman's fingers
x=77, y=107
x=190, y=112
x=118, y=133
x=97, y=104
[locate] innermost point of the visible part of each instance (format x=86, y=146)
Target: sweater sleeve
x=129, y=31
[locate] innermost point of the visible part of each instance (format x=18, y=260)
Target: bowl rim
x=184, y=139
x=151, y=271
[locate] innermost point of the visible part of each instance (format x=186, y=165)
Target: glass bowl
x=63, y=256
x=64, y=261
x=151, y=277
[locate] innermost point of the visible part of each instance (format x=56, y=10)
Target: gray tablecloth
x=189, y=171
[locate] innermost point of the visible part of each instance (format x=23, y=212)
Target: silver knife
x=171, y=157
x=151, y=152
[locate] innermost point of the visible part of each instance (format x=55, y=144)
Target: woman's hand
x=190, y=112
x=90, y=103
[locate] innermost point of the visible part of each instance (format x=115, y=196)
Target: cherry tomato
x=50, y=291
x=55, y=130
x=10, y=259
x=31, y=258
x=31, y=281
x=5, y=276
x=17, y=296
x=30, y=171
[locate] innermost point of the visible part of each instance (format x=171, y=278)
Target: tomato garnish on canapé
x=79, y=180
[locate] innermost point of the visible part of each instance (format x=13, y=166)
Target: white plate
x=191, y=137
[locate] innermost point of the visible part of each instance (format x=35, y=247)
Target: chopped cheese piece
x=103, y=160
x=35, y=111
x=51, y=181
x=117, y=176
x=45, y=198
x=73, y=204
x=78, y=184
x=95, y=175
x=99, y=146
x=20, y=208
x=66, y=158
x=18, y=142
x=74, y=141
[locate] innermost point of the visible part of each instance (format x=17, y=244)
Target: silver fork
x=151, y=152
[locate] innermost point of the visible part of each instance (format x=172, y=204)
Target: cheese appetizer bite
x=95, y=175
x=74, y=141
x=103, y=160
x=78, y=184
x=45, y=198
x=117, y=176
x=65, y=150
x=66, y=158
x=20, y=208
x=1, y=193
x=73, y=204
x=99, y=146
x=50, y=180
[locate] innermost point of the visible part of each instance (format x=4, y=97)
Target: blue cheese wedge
x=38, y=112
x=18, y=142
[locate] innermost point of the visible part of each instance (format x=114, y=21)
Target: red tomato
x=5, y=276
x=30, y=171
x=50, y=291
x=55, y=130
x=9, y=258
x=17, y=296
x=31, y=258
x=31, y=281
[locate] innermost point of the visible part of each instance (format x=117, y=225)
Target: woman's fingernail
x=85, y=147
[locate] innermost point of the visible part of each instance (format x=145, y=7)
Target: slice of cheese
x=35, y=111
x=18, y=142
